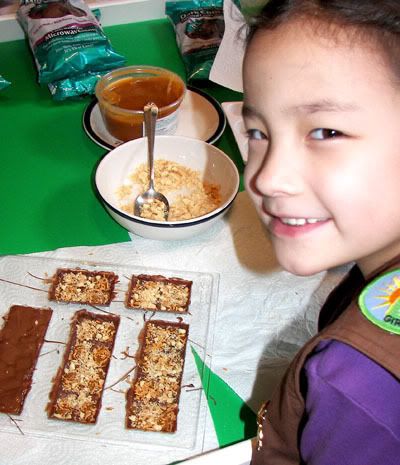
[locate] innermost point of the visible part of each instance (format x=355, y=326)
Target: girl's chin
x=298, y=263
x=302, y=270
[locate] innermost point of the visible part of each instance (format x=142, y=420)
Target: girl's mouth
x=291, y=227
x=301, y=221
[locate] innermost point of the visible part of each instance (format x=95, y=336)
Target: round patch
x=380, y=301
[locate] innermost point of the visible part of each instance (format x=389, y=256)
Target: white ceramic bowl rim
x=180, y=223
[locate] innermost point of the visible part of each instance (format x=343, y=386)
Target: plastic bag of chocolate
x=199, y=27
x=75, y=85
x=67, y=42
x=3, y=82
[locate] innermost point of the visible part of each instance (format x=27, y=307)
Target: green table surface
x=47, y=165
x=47, y=160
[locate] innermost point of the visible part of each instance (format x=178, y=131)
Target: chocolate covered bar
x=158, y=293
x=153, y=399
x=21, y=339
x=78, y=385
x=83, y=286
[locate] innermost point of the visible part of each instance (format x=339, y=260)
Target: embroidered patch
x=380, y=301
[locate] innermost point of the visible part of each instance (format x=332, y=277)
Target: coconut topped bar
x=83, y=286
x=79, y=383
x=158, y=293
x=153, y=399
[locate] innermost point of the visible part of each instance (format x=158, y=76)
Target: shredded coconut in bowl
x=189, y=197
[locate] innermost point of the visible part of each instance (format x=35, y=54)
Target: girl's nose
x=280, y=174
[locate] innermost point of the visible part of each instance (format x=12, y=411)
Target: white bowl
x=214, y=165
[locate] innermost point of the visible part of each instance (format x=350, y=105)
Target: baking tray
x=22, y=282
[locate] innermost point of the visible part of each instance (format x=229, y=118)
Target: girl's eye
x=255, y=134
x=324, y=133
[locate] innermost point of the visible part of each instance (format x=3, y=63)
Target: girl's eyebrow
x=324, y=105
x=248, y=111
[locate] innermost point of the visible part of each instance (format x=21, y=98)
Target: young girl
x=322, y=113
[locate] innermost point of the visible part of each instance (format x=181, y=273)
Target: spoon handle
x=150, y=118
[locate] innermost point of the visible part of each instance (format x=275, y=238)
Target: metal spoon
x=149, y=197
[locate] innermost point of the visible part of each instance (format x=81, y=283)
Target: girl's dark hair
x=383, y=15
x=377, y=20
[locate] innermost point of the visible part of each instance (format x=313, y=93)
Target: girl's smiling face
x=323, y=118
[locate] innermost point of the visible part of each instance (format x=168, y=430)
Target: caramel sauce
x=132, y=93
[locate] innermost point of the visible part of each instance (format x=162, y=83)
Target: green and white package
x=67, y=41
x=199, y=27
x=3, y=82
x=76, y=85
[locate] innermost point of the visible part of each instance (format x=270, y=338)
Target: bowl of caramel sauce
x=123, y=93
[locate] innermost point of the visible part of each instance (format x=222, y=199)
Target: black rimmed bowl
x=214, y=166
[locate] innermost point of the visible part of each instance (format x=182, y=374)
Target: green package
x=67, y=41
x=75, y=86
x=3, y=82
x=199, y=27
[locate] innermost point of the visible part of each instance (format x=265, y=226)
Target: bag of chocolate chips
x=70, y=48
x=199, y=27
x=3, y=82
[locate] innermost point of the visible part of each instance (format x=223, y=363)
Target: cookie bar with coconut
x=153, y=399
x=83, y=286
x=79, y=383
x=158, y=293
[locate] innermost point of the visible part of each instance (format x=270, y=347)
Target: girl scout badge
x=380, y=301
